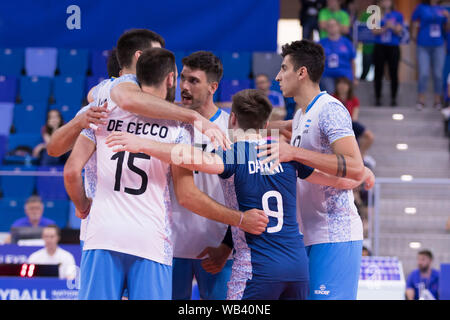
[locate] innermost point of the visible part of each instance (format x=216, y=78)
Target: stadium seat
x=179, y=55
x=11, y=209
x=230, y=87
x=92, y=81
x=236, y=65
x=69, y=90
x=74, y=221
x=11, y=61
x=41, y=61
x=73, y=62
x=99, y=60
x=6, y=118
x=51, y=188
x=178, y=91
x=68, y=111
x=3, y=146
x=17, y=186
x=35, y=89
x=58, y=211
x=24, y=139
x=8, y=88
x=29, y=117
x=268, y=63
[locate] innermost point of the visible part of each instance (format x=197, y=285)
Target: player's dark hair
x=426, y=253
x=252, y=109
x=113, y=64
x=134, y=40
x=308, y=54
x=154, y=65
x=205, y=61
x=54, y=226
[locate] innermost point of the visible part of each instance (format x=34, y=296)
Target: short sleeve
x=345, y=19
x=229, y=161
x=90, y=134
x=416, y=14
x=303, y=171
x=335, y=122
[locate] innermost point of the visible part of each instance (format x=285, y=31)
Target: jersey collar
x=314, y=101
x=216, y=115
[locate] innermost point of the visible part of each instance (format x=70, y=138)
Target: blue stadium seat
x=72, y=62
x=92, y=81
x=6, y=118
x=17, y=186
x=74, y=221
x=8, y=88
x=230, y=87
x=236, y=65
x=29, y=117
x=179, y=55
x=58, y=211
x=51, y=188
x=35, y=89
x=268, y=63
x=68, y=111
x=69, y=90
x=41, y=61
x=11, y=209
x=12, y=61
x=99, y=60
x=24, y=139
x=3, y=146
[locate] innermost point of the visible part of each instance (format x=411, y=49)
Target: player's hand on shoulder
x=124, y=141
x=254, y=221
x=213, y=132
x=216, y=258
x=94, y=117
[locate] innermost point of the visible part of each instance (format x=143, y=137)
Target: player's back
x=131, y=210
x=278, y=254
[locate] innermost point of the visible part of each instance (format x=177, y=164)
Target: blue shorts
x=265, y=290
x=105, y=274
x=334, y=270
x=210, y=286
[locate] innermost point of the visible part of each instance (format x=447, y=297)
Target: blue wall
x=231, y=25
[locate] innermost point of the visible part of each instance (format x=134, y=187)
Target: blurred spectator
x=387, y=49
x=309, y=16
x=263, y=83
x=53, y=254
x=423, y=283
x=366, y=252
x=344, y=93
x=367, y=49
x=333, y=11
x=34, y=209
x=53, y=122
x=340, y=57
x=429, y=22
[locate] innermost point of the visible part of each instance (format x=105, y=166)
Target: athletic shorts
x=334, y=270
x=210, y=286
x=105, y=274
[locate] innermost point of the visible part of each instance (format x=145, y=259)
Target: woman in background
x=53, y=122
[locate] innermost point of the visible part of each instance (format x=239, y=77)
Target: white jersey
x=131, y=210
x=192, y=233
x=65, y=260
x=325, y=214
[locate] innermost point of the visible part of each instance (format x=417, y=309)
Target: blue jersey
x=277, y=254
x=432, y=25
x=339, y=56
x=389, y=37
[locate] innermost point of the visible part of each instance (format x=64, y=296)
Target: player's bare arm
x=325, y=179
x=131, y=98
x=63, y=139
x=73, y=180
x=183, y=155
x=345, y=161
x=253, y=221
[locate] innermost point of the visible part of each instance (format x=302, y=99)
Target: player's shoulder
x=126, y=78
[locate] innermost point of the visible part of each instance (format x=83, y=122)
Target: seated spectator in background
x=53, y=122
x=423, y=283
x=344, y=93
x=333, y=12
x=309, y=16
x=387, y=49
x=366, y=252
x=53, y=254
x=34, y=209
x=339, y=58
x=263, y=83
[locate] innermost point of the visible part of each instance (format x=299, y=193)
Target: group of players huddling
x=172, y=192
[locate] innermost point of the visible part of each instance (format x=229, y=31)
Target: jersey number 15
x=120, y=157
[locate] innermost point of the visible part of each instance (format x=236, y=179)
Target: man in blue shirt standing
x=423, y=283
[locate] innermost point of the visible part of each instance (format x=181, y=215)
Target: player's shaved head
x=135, y=40
x=252, y=109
